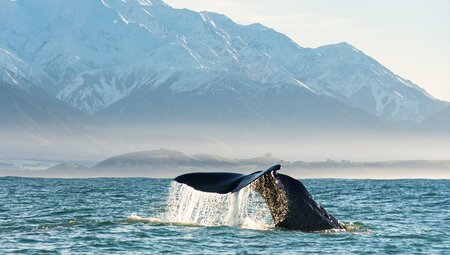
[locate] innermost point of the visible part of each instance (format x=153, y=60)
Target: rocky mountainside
x=144, y=61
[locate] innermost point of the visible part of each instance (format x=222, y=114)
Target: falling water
x=239, y=209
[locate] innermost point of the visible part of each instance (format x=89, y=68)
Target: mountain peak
x=258, y=26
x=343, y=46
x=99, y=55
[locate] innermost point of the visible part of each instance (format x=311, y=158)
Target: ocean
x=152, y=216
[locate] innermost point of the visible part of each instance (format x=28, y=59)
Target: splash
x=244, y=209
x=136, y=218
x=357, y=227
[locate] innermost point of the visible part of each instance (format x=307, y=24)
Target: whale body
x=291, y=205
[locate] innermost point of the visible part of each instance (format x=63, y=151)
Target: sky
x=409, y=37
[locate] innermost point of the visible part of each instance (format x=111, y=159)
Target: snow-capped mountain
x=29, y=116
x=344, y=72
x=23, y=102
x=145, y=60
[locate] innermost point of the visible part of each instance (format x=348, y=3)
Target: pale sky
x=409, y=37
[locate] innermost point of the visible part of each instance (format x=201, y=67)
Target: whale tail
x=291, y=205
x=220, y=182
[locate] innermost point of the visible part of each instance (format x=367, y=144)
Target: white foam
x=136, y=218
x=240, y=209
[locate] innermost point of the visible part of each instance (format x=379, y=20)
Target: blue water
x=93, y=216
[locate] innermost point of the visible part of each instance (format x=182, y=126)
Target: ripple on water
x=96, y=216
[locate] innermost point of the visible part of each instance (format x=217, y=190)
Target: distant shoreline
x=161, y=164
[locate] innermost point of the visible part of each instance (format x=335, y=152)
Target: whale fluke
x=220, y=182
x=291, y=205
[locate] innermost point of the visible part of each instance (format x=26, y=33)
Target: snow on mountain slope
x=94, y=54
x=28, y=109
x=13, y=70
x=344, y=72
x=231, y=103
x=64, y=38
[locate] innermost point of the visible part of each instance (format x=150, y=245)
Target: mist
x=234, y=143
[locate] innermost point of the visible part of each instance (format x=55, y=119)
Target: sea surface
x=151, y=216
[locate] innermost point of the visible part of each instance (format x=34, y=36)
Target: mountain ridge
x=96, y=54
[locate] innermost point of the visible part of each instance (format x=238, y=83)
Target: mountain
x=65, y=166
x=438, y=123
x=145, y=62
x=232, y=103
x=162, y=159
x=26, y=107
x=31, y=120
x=346, y=73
